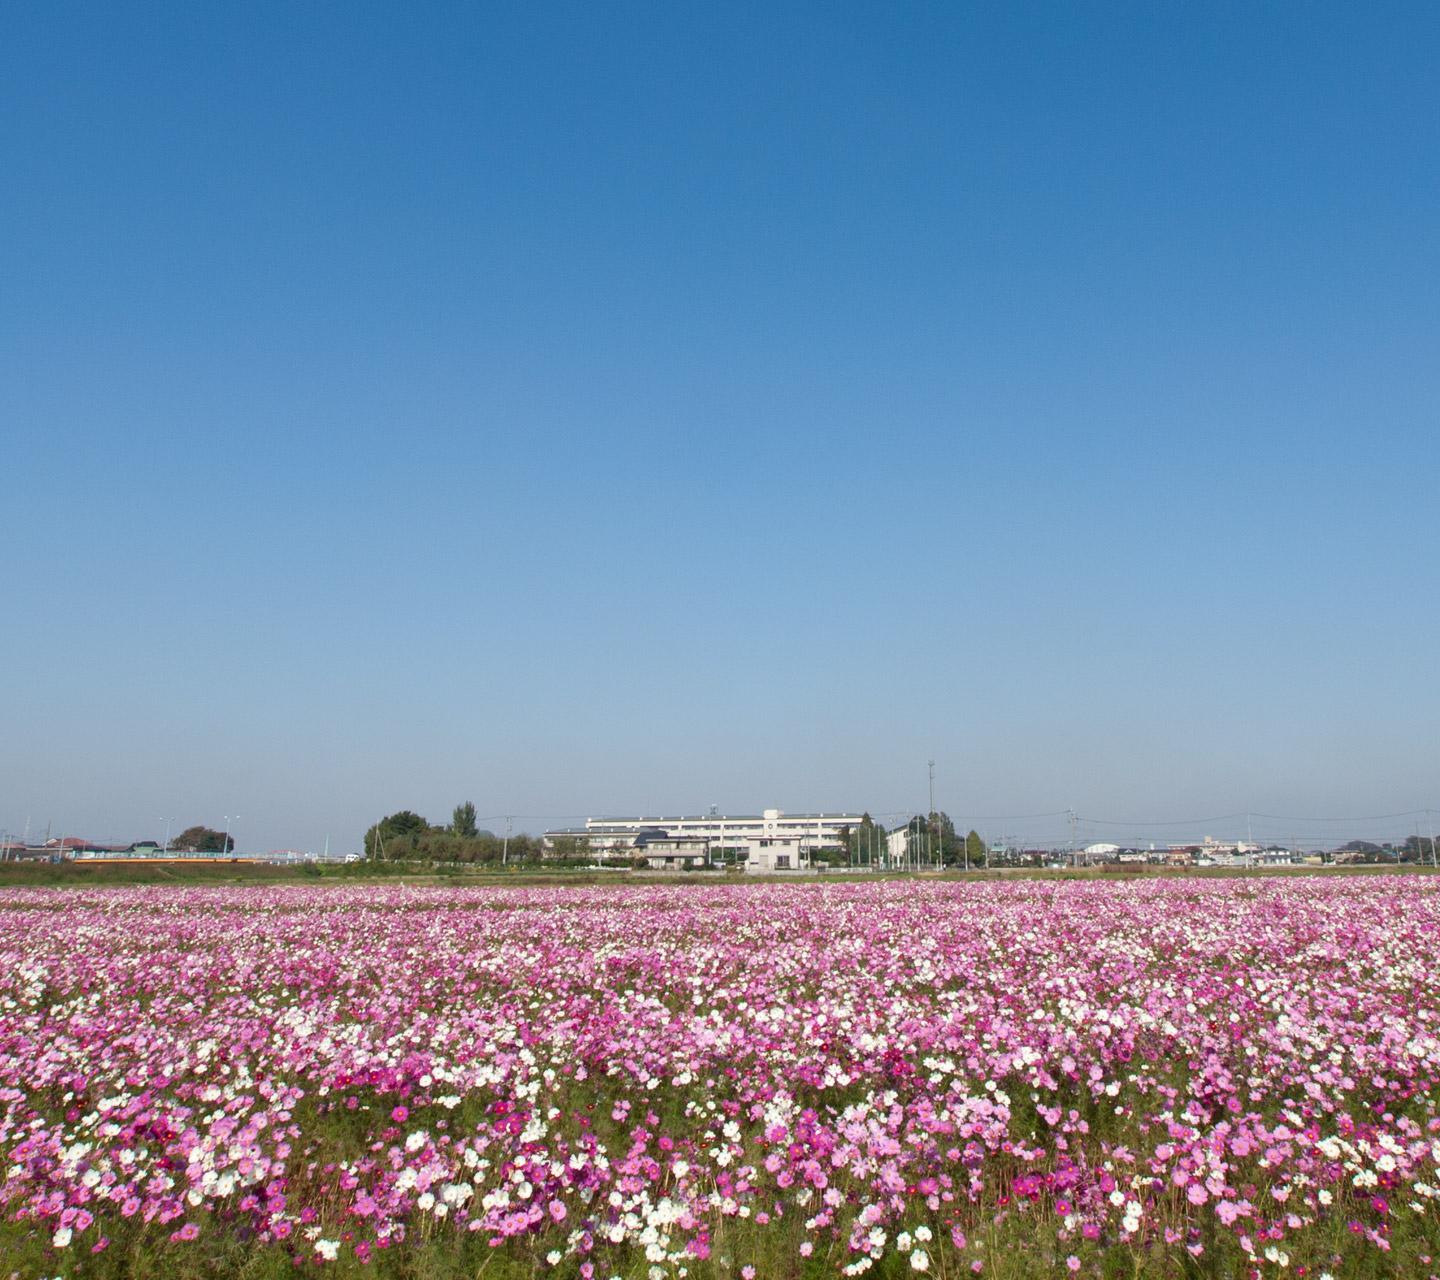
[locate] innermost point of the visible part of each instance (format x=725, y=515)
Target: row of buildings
x=762, y=843
x=62, y=848
x=79, y=849
x=775, y=841
x=1208, y=853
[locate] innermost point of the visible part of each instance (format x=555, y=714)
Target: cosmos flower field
x=1030, y=1078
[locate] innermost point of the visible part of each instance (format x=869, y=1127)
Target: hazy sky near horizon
x=600, y=409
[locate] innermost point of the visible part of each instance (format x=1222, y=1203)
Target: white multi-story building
x=727, y=835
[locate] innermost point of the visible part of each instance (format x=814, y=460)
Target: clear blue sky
x=611, y=408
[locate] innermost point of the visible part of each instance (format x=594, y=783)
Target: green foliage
x=395, y=827
x=404, y=823
x=1418, y=849
x=199, y=839
x=569, y=847
x=942, y=831
x=438, y=846
x=865, y=844
x=974, y=849
x=463, y=821
x=933, y=838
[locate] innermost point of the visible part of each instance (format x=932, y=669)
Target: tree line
x=930, y=837
x=407, y=837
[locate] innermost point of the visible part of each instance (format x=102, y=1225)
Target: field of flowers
x=1037, y=1078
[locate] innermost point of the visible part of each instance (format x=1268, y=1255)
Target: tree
x=402, y=824
x=572, y=847
x=942, y=834
x=1419, y=849
x=463, y=822
x=933, y=838
x=199, y=839
x=974, y=849
x=865, y=842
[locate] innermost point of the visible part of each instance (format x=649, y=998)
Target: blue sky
x=611, y=408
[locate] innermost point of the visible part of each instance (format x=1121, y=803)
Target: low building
x=673, y=853
x=765, y=855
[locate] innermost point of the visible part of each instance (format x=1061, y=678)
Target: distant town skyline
x=582, y=410
x=1053, y=829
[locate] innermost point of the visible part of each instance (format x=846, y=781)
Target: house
x=765, y=854
x=673, y=853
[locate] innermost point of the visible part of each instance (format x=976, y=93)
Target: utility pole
x=1074, y=852
x=934, y=817
x=1429, y=822
x=505, y=848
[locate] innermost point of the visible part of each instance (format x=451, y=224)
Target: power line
x=1374, y=817
x=1188, y=822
